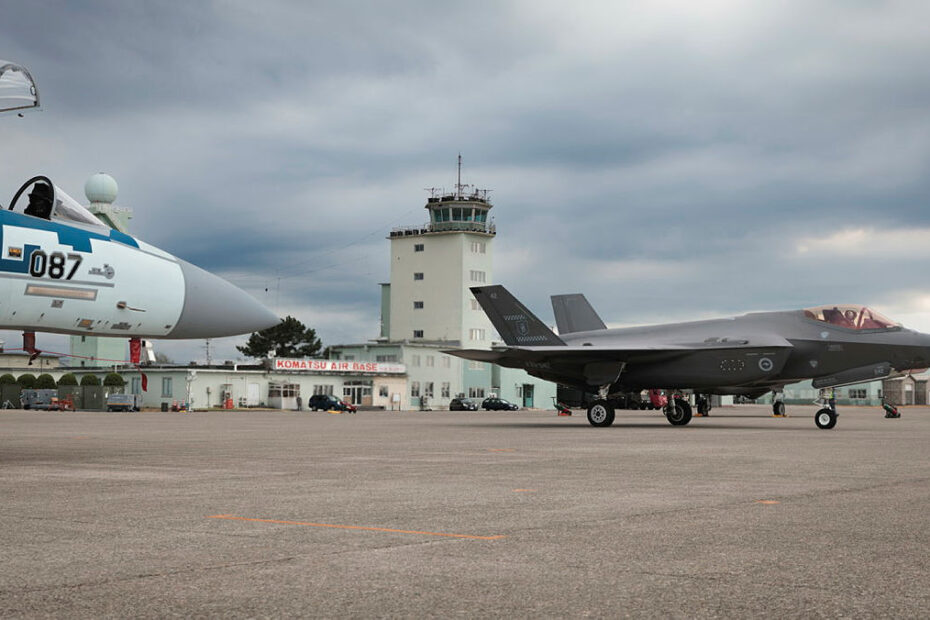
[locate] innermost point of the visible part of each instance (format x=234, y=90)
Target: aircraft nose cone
x=214, y=308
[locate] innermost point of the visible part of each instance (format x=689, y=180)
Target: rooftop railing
x=487, y=228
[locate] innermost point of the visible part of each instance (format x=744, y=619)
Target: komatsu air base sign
x=307, y=365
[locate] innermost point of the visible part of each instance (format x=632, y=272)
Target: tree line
x=46, y=381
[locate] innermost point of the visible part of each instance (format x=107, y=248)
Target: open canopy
x=850, y=316
x=17, y=88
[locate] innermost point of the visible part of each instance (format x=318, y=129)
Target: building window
x=428, y=389
x=478, y=247
x=475, y=392
x=136, y=385
x=322, y=389
x=476, y=334
x=858, y=393
x=418, y=275
x=283, y=390
x=476, y=365
x=418, y=333
x=382, y=391
x=475, y=305
x=415, y=361
x=349, y=358
x=430, y=361
x=166, y=391
x=418, y=247
x=385, y=358
x=446, y=361
x=445, y=389
x=477, y=276
x=418, y=305
x=415, y=389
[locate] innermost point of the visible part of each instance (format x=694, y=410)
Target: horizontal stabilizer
x=573, y=313
x=515, y=324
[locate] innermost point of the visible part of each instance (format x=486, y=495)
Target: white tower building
x=432, y=267
x=428, y=307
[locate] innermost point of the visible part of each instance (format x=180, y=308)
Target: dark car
x=498, y=404
x=462, y=404
x=328, y=402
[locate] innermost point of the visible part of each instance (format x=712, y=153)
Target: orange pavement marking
x=353, y=527
x=524, y=490
x=767, y=501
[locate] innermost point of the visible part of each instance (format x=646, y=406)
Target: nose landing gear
x=825, y=418
x=678, y=412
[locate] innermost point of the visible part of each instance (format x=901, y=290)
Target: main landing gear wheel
x=825, y=418
x=778, y=408
x=601, y=413
x=678, y=415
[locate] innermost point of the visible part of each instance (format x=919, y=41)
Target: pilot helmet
x=40, y=191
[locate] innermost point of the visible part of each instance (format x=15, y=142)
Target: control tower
x=433, y=266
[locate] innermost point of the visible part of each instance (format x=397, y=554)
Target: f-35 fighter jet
x=745, y=355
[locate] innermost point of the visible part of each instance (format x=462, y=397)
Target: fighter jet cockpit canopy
x=18, y=91
x=851, y=317
x=43, y=199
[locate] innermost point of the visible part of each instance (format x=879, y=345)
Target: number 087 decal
x=56, y=265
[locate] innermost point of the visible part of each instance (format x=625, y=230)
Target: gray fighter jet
x=745, y=355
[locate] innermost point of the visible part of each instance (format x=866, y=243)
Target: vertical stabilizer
x=573, y=313
x=515, y=324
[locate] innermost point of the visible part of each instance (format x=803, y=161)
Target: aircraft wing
x=624, y=353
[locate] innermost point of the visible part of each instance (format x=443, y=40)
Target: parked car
x=124, y=402
x=498, y=404
x=462, y=404
x=328, y=402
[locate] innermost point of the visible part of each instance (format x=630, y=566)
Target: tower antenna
x=458, y=185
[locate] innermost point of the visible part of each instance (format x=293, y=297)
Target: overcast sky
x=670, y=159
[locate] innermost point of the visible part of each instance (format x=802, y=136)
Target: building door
x=528, y=395
x=352, y=394
x=357, y=392
x=253, y=395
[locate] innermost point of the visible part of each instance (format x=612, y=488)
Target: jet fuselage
x=760, y=350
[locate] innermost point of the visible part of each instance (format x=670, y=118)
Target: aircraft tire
x=778, y=408
x=825, y=418
x=679, y=416
x=601, y=413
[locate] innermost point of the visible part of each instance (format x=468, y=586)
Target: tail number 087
x=56, y=265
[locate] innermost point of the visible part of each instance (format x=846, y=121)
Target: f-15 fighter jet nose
x=214, y=308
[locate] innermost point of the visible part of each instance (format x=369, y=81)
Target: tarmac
x=471, y=514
